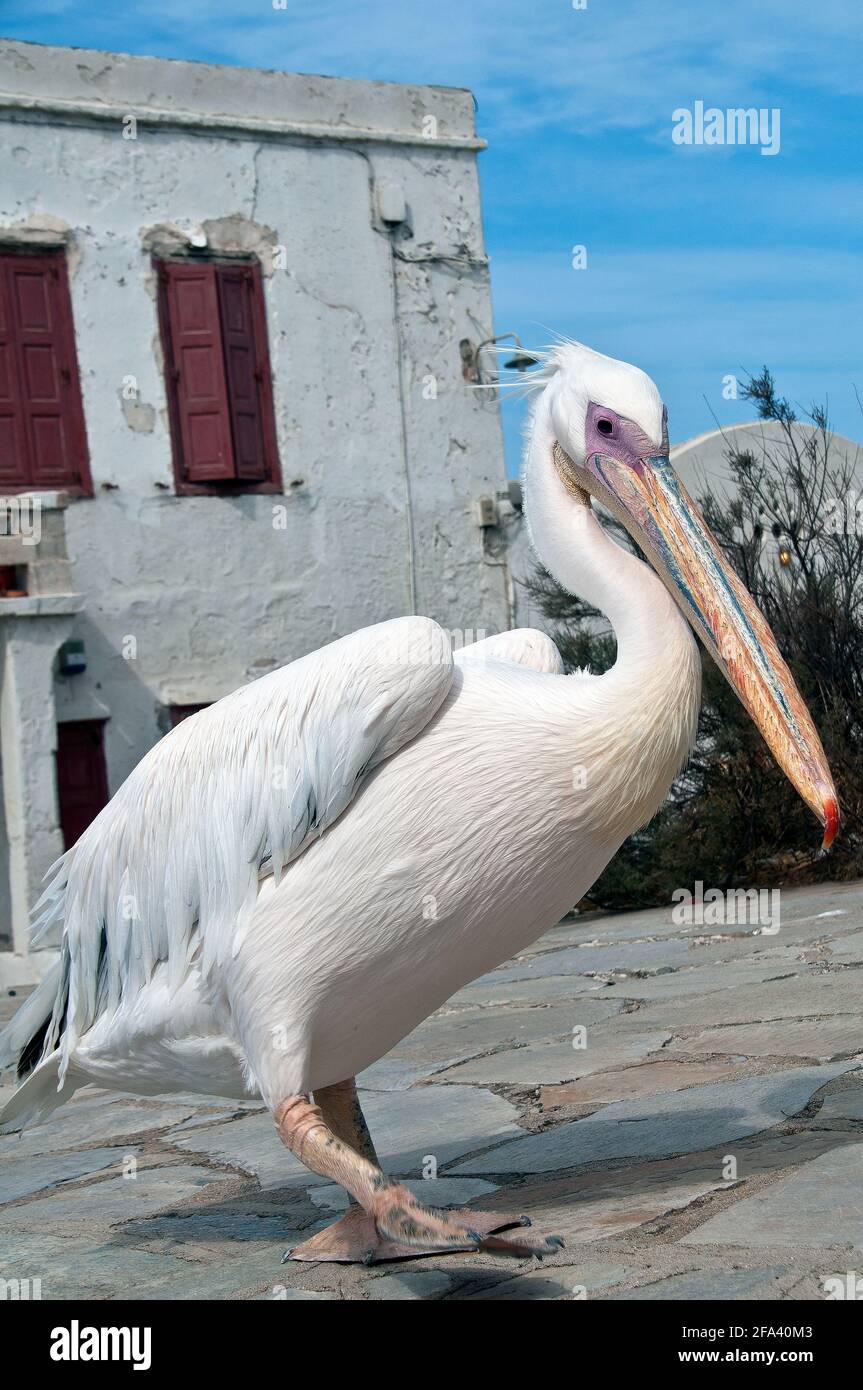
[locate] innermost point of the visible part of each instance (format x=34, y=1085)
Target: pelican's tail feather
x=18, y=1040
x=38, y=1096
x=29, y=1043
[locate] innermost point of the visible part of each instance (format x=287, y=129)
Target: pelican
x=293, y=879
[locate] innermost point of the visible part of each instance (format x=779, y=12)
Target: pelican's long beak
x=651, y=502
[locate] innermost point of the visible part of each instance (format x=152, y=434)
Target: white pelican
x=293, y=879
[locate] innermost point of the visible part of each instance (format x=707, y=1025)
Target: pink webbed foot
x=402, y=1228
x=389, y=1223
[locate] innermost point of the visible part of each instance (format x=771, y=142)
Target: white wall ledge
x=41, y=606
x=86, y=113
x=48, y=501
x=39, y=81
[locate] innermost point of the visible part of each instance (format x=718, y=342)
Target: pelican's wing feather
x=170, y=869
x=523, y=646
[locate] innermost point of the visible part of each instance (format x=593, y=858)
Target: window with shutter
x=43, y=441
x=218, y=376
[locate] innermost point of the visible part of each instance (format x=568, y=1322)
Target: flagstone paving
x=684, y=1104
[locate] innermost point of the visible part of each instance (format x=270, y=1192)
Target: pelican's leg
x=353, y=1236
x=387, y=1222
x=341, y=1110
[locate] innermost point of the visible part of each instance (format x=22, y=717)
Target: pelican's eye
x=605, y=426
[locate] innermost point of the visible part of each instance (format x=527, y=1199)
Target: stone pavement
x=705, y=1142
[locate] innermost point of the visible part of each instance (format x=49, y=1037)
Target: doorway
x=82, y=779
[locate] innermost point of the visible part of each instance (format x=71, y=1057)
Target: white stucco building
x=235, y=306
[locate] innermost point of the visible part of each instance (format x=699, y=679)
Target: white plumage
x=296, y=877
x=170, y=870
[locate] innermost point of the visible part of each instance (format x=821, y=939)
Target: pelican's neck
x=651, y=632
x=646, y=705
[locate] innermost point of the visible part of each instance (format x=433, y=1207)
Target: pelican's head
x=601, y=426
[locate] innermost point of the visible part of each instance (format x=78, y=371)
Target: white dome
x=702, y=461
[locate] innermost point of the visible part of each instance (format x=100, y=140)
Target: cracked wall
x=364, y=324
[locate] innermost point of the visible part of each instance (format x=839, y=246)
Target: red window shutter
x=196, y=372
x=41, y=415
x=242, y=369
x=213, y=323
x=13, y=441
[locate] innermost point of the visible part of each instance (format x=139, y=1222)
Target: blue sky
x=702, y=261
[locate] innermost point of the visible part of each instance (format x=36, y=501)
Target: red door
x=82, y=782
